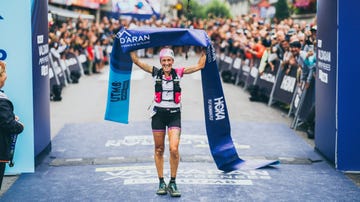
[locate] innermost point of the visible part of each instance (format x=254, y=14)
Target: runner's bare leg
x=174, y=140
x=159, y=141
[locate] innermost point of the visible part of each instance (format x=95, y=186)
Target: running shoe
x=173, y=191
x=162, y=189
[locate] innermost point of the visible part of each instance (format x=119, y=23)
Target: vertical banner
x=15, y=41
x=117, y=108
x=337, y=98
x=24, y=48
x=325, y=129
x=40, y=73
x=217, y=121
x=348, y=138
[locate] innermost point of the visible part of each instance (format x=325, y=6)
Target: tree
x=282, y=10
x=215, y=8
x=193, y=9
x=218, y=9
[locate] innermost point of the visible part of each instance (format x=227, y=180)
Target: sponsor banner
x=348, y=98
x=59, y=77
x=245, y=71
x=15, y=50
x=216, y=116
x=253, y=74
x=141, y=10
x=326, y=71
x=40, y=75
x=285, y=86
x=140, y=7
x=93, y=4
x=307, y=102
x=267, y=79
x=72, y=63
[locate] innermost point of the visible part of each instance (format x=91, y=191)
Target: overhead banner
x=140, y=9
x=216, y=115
x=93, y=4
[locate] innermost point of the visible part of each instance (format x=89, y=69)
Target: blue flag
x=216, y=115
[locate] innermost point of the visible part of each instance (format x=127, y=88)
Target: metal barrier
x=284, y=88
x=278, y=85
x=63, y=71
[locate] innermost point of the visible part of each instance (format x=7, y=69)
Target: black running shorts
x=170, y=117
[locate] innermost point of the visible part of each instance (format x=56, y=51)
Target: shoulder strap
x=174, y=76
x=159, y=74
x=158, y=81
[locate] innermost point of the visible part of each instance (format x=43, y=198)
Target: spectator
x=306, y=64
x=268, y=59
x=90, y=56
x=99, y=57
x=9, y=123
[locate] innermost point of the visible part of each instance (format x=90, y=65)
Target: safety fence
x=270, y=86
x=64, y=70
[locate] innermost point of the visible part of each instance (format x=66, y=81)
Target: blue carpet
x=198, y=180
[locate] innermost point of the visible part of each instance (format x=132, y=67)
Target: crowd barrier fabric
x=74, y=67
x=82, y=61
x=59, y=74
x=236, y=70
x=225, y=63
x=253, y=74
x=53, y=77
x=221, y=58
x=226, y=70
x=245, y=71
x=308, y=101
x=216, y=116
x=275, y=85
x=72, y=62
x=63, y=71
x=285, y=87
x=303, y=103
x=296, y=104
x=267, y=80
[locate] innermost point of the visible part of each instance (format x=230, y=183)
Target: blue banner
x=40, y=74
x=15, y=41
x=216, y=116
x=348, y=98
x=325, y=128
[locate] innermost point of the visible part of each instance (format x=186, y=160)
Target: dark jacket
x=8, y=126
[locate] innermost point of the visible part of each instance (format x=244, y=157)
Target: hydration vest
x=159, y=88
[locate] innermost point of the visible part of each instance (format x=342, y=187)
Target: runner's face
x=166, y=63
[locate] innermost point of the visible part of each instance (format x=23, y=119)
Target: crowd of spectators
x=289, y=42
x=245, y=36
